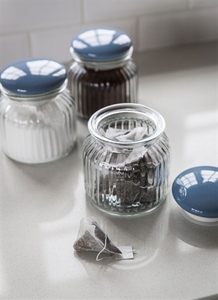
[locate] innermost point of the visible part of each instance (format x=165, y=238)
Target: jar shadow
x=95, y=269
x=145, y=233
x=44, y=191
x=196, y=235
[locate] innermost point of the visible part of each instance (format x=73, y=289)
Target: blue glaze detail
x=101, y=44
x=196, y=191
x=32, y=77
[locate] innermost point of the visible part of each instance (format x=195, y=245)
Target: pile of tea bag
x=92, y=238
x=136, y=134
x=124, y=135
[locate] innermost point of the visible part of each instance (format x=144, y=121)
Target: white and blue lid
x=100, y=44
x=196, y=191
x=32, y=77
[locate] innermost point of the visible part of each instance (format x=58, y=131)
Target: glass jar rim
x=111, y=111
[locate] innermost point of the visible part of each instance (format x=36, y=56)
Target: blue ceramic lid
x=101, y=44
x=33, y=77
x=196, y=191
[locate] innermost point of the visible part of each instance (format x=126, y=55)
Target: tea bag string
x=102, y=250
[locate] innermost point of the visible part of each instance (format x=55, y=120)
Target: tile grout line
x=29, y=42
x=82, y=13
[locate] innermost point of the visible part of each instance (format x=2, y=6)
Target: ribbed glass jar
x=37, y=113
x=126, y=159
x=102, y=71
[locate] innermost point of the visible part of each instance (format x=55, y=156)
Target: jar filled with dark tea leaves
x=126, y=159
x=102, y=71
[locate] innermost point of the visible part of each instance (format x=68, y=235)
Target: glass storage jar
x=102, y=71
x=37, y=114
x=126, y=159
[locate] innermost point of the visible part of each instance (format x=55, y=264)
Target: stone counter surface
x=41, y=206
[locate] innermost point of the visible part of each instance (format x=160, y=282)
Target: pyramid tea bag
x=92, y=238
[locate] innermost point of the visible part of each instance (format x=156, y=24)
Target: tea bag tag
x=127, y=253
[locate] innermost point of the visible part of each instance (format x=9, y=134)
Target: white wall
x=45, y=27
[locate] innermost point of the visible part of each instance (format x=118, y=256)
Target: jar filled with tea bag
x=126, y=159
x=37, y=113
x=102, y=71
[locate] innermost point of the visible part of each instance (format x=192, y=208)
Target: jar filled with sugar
x=103, y=71
x=126, y=159
x=37, y=113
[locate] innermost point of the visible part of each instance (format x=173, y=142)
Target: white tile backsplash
x=177, y=29
x=13, y=48
x=53, y=44
x=203, y=3
x=18, y=15
x=45, y=27
x=95, y=10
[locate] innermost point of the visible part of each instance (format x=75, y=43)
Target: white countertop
x=41, y=206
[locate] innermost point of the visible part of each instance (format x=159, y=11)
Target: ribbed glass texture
x=94, y=88
x=39, y=130
x=127, y=180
